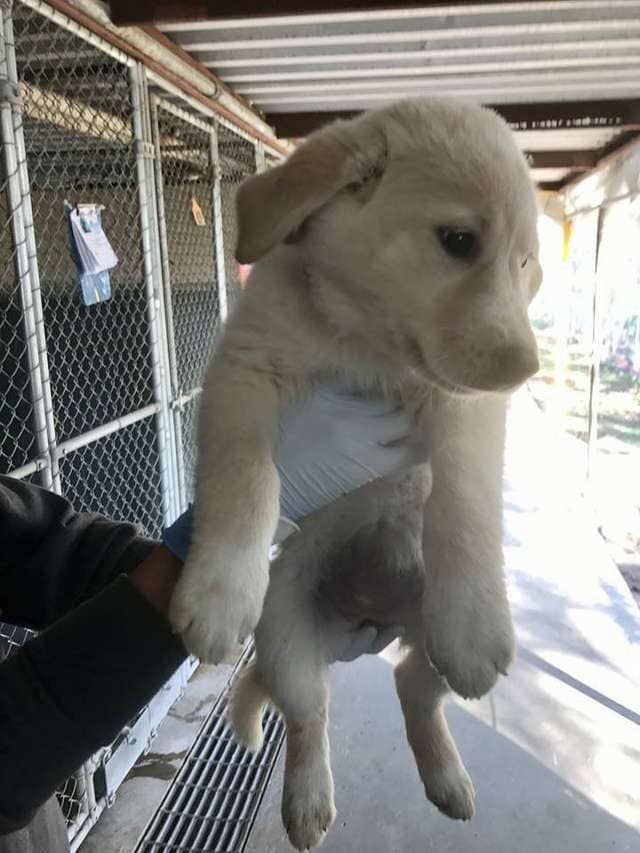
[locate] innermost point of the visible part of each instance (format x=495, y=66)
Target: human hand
x=156, y=577
x=367, y=639
x=336, y=441
x=331, y=443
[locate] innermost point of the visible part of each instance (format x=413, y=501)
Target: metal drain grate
x=212, y=803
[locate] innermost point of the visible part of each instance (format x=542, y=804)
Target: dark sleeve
x=70, y=691
x=52, y=558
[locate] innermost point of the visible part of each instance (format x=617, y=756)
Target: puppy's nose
x=515, y=363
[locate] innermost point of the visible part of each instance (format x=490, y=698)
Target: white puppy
x=397, y=251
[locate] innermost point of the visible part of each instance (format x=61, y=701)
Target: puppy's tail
x=247, y=703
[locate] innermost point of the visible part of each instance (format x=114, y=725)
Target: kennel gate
x=98, y=402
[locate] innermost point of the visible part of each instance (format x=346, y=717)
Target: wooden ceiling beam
x=128, y=13
x=623, y=114
x=577, y=161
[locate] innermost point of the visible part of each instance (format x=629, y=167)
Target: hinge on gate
x=145, y=149
x=9, y=93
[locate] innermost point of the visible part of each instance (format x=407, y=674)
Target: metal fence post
x=219, y=232
x=9, y=101
x=51, y=474
x=261, y=159
x=170, y=497
x=166, y=285
x=166, y=332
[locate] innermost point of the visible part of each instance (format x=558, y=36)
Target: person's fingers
x=359, y=643
x=368, y=640
x=389, y=428
x=354, y=406
x=398, y=457
x=384, y=638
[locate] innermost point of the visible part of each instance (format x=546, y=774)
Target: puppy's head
x=419, y=220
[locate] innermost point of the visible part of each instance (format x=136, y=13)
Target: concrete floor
x=120, y=826
x=554, y=751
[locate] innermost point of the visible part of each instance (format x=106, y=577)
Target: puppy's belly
x=377, y=576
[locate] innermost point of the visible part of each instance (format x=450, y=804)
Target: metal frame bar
x=596, y=348
x=221, y=269
x=164, y=304
x=171, y=501
x=30, y=468
x=165, y=268
x=261, y=160
x=104, y=430
x=51, y=479
x=23, y=267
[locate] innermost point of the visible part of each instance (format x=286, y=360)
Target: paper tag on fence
x=95, y=287
x=196, y=212
x=95, y=251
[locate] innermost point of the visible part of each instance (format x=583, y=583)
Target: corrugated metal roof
x=496, y=53
x=504, y=53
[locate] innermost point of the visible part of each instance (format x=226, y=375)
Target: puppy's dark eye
x=460, y=243
x=525, y=260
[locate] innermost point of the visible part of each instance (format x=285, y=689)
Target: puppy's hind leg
x=446, y=782
x=247, y=703
x=294, y=671
x=308, y=807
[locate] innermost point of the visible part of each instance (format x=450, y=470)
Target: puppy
x=397, y=251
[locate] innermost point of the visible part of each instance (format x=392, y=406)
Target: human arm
x=61, y=695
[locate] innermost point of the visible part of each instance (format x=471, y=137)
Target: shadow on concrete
x=522, y=805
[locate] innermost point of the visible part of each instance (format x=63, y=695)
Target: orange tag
x=567, y=231
x=196, y=212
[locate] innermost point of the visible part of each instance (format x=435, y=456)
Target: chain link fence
x=187, y=185
x=99, y=401
x=237, y=162
x=17, y=436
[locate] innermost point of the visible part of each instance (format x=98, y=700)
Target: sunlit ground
x=563, y=316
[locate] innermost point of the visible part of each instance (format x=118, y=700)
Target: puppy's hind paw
x=307, y=819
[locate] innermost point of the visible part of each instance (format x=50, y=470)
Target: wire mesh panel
x=73, y=799
x=17, y=439
x=189, y=419
x=118, y=474
x=186, y=181
x=237, y=162
x=187, y=184
x=77, y=120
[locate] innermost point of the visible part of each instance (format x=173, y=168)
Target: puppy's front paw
x=213, y=614
x=470, y=643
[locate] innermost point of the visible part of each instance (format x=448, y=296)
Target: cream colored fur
x=363, y=289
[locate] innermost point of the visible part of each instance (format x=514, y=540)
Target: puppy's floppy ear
x=272, y=205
